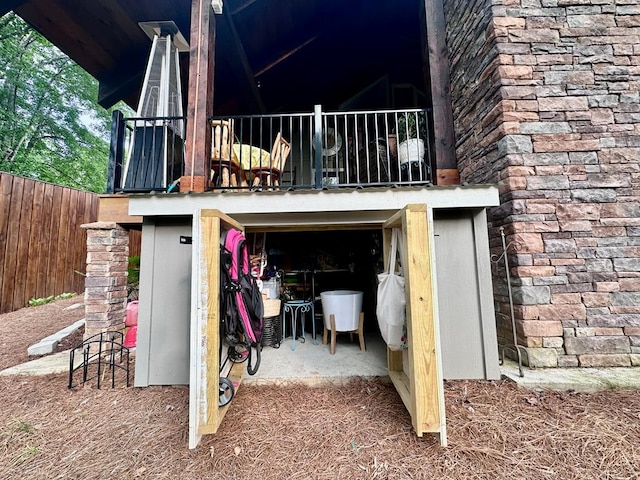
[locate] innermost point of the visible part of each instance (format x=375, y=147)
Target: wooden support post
x=197, y=165
x=435, y=63
x=420, y=387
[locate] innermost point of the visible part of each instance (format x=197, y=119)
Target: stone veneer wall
x=105, y=295
x=562, y=139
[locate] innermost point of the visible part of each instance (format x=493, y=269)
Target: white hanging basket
x=411, y=150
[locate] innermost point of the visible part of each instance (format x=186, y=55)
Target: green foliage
x=412, y=125
x=34, y=302
x=133, y=279
x=51, y=129
x=133, y=270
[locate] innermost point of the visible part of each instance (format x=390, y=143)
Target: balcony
x=303, y=151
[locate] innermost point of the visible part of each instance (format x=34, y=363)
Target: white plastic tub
x=270, y=288
x=345, y=305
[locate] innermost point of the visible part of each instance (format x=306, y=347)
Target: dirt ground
x=359, y=430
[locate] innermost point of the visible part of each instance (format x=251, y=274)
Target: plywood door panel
x=205, y=415
x=420, y=387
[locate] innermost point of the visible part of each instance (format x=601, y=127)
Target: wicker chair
x=270, y=176
x=225, y=169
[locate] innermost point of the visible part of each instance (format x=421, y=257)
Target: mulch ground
x=359, y=430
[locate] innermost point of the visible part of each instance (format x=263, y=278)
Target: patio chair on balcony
x=270, y=176
x=225, y=168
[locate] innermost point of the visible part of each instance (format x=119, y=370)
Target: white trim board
x=289, y=208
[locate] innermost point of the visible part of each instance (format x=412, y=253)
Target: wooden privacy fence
x=42, y=247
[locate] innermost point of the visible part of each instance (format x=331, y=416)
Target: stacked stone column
x=106, y=281
x=548, y=108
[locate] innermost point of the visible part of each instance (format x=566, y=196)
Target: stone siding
x=562, y=140
x=475, y=88
x=105, y=295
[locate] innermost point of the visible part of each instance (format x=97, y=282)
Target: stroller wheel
x=225, y=392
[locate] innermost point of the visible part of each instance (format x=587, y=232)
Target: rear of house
x=529, y=118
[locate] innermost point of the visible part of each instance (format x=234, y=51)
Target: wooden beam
x=435, y=61
x=284, y=56
x=210, y=231
x=197, y=165
x=115, y=208
x=244, y=5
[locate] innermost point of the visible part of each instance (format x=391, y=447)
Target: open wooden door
x=419, y=382
x=205, y=415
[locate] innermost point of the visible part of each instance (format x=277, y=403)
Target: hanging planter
x=411, y=135
x=411, y=150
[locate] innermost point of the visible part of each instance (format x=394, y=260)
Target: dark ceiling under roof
x=271, y=55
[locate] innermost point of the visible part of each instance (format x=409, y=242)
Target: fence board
x=42, y=246
x=79, y=256
x=6, y=185
x=31, y=282
x=22, y=248
x=135, y=242
x=11, y=249
x=63, y=240
x=54, y=234
x=67, y=284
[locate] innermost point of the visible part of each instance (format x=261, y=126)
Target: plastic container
x=270, y=288
x=345, y=305
x=132, y=314
x=131, y=336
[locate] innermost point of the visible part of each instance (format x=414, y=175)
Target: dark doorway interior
x=311, y=262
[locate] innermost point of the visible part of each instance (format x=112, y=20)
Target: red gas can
x=132, y=314
x=131, y=336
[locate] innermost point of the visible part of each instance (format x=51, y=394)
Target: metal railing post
x=317, y=143
x=116, y=149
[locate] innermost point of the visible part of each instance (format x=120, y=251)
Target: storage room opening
x=298, y=266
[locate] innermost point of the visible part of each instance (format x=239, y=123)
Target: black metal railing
x=315, y=150
x=146, y=154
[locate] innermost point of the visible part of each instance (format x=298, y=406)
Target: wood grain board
x=42, y=247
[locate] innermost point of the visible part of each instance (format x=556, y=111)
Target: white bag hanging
x=391, y=301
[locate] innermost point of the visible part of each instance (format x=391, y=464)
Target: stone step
x=48, y=344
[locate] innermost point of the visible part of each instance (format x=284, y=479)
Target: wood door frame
x=421, y=388
x=205, y=416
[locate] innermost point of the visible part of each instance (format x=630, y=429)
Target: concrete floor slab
x=313, y=364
